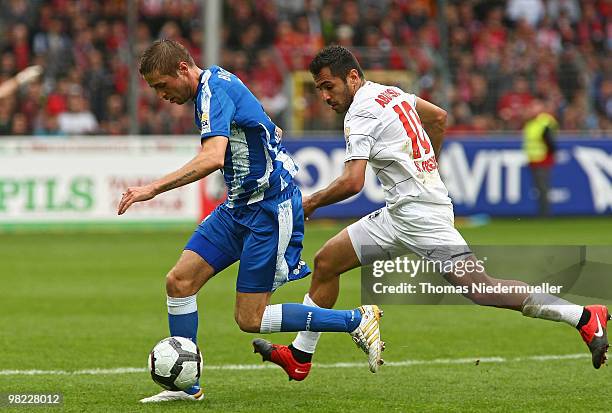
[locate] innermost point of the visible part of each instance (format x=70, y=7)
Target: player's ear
x=183, y=67
x=353, y=78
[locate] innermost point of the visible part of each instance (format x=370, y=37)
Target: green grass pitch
x=96, y=300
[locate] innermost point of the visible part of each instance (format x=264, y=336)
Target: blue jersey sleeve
x=217, y=116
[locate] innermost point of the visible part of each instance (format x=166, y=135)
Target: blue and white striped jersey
x=257, y=166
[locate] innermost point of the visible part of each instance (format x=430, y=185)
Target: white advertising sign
x=83, y=179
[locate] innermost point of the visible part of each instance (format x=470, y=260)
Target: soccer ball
x=176, y=363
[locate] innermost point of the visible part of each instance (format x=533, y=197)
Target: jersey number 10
x=413, y=128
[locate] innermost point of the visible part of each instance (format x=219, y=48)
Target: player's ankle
x=584, y=319
x=299, y=355
x=193, y=389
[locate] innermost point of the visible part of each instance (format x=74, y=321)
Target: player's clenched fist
x=135, y=194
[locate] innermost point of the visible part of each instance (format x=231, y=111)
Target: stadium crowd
x=501, y=55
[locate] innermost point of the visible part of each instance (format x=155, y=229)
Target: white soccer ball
x=176, y=363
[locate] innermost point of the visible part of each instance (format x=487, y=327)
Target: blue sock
x=184, y=325
x=299, y=317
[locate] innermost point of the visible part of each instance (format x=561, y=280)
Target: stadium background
x=82, y=290
x=483, y=61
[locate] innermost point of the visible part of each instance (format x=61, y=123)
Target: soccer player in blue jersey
x=261, y=223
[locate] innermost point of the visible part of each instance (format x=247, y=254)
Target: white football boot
x=168, y=396
x=367, y=335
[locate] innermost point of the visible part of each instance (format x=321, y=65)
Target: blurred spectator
x=57, y=99
x=591, y=29
x=6, y=116
x=49, y=127
x=571, y=8
x=78, y=119
x=20, y=45
x=115, y=120
x=560, y=48
x=604, y=101
x=55, y=46
x=19, y=125
x=547, y=37
x=288, y=8
x=576, y=113
x=328, y=27
x=98, y=83
x=532, y=11
x=569, y=73
x=515, y=102
x=274, y=104
x=19, y=11
x=344, y=35
x=8, y=64
x=462, y=118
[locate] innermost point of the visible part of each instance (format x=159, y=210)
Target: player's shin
x=183, y=322
x=553, y=308
x=305, y=342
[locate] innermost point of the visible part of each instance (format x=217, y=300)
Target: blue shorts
x=266, y=237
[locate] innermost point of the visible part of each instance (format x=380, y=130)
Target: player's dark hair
x=164, y=56
x=339, y=60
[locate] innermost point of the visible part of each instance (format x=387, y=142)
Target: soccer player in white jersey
x=399, y=135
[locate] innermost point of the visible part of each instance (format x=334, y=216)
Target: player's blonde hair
x=164, y=56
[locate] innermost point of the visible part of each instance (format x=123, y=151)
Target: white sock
x=182, y=305
x=307, y=340
x=272, y=319
x=553, y=308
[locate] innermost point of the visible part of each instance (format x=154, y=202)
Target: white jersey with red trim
x=382, y=126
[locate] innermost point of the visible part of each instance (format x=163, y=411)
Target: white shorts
x=426, y=229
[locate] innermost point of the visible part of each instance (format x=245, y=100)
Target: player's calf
x=249, y=310
x=476, y=277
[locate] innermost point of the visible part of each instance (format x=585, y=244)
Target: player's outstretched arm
x=210, y=159
x=433, y=119
x=345, y=186
x=27, y=75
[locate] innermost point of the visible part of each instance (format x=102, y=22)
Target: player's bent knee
x=324, y=268
x=178, y=285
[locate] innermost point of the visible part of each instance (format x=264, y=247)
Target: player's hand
x=308, y=206
x=135, y=194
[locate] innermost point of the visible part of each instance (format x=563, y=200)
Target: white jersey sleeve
x=382, y=125
x=411, y=98
x=360, y=132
